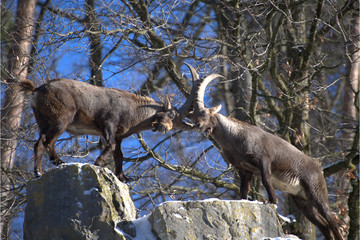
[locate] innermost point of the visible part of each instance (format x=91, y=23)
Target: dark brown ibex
x=83, y=109
x=252, y=151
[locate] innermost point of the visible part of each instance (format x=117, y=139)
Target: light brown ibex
x=84, y=109
x=252, y=151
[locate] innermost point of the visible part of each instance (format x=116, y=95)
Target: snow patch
x=288, y=219
x=74, y=163
x=289, y=237
x=215, y=200
x=177, y=215
x=143, y=229
x=88, y=192
x=79, y=205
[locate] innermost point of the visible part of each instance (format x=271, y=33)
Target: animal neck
x=225, y=128
x=144, y=116
x=148, y=110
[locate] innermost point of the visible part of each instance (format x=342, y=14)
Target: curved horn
x=185, y=108
x=167, y=103
x=197, y=91
x=201, y=89
x=194, y=74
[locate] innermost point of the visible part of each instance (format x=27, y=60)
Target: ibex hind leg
x=55, y=130
x=39, y=150
x=39, y=147
x=319, y=199
x=312, y=213
x=325, y=212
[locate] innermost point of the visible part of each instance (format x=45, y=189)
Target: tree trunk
x=13, y=101
x=95, y=44
x=351, y=84
x=304, y=229
x=350, y=117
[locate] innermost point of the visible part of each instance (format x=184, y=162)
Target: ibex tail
x=27, y=86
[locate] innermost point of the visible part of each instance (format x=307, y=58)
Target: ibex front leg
x=265, y=170
x=119, y=158
x=245, y=183
x=109, y=135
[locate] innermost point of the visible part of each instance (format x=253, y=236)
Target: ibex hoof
x=57, y=162
x=99, y=163
x=123, y=178
x=37, y=174
x=271, y=202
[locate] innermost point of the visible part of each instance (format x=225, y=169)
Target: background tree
x=351, y=113
x=13, y=103
x=288, y=65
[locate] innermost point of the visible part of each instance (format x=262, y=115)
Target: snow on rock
x=287, y=237
x=139, y=229
x=288, y=219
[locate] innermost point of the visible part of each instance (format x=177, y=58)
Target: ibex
x=252, y=151
x=84, y=109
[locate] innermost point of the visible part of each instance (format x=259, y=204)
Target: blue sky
x=70, y=56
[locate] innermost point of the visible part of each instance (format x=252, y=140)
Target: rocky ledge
x=83, y=201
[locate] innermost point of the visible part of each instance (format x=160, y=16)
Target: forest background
x=291, y=67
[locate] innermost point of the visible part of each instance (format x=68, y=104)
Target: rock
x=77, y=201
x=83, y=201
x=215, y=219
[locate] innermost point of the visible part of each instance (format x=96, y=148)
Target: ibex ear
x=215, y=109
x=167, y=104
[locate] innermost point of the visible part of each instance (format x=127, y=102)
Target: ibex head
x=163, y=120
x=202, y=117
x=193, y=108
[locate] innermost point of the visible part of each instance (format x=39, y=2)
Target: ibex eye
x=172, y=115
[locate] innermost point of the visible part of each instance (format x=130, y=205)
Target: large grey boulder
x=83, y=201
x=76, y=201
x=215, y=219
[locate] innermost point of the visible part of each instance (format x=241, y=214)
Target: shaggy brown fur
x=83, y=109
x=280, y=165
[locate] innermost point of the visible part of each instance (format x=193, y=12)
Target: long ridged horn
x=194, y=74
x=185, y=108
x=197, y=91
x=200, y=93
x=167, y=103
